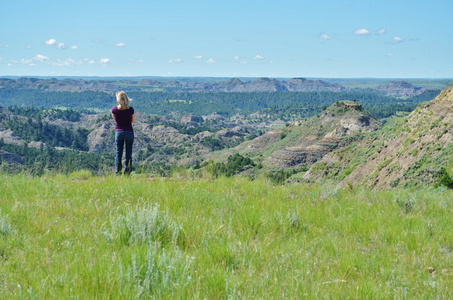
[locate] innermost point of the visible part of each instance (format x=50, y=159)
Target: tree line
x=280, y=104
x=37, y=161
x=52, y=135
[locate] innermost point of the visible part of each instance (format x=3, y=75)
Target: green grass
x=92, y=237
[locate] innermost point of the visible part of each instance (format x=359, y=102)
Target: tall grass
x=126, y=238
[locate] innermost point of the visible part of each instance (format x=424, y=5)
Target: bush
x=236, y=163
x=158, y=274
x=144, y=226
x=444, y=179
x=280, y=176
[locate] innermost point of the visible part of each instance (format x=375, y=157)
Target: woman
x=123, y=115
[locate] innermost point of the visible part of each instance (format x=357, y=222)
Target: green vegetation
x=444, y=179
x=38, y=161
x=282, y=175
x=90, y=237
x=52, y=114
x=283, y=105
x=53, y=135
x=235, y=164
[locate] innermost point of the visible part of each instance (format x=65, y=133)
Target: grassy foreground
x=108, y=238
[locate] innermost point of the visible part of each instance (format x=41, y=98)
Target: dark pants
x=122, y=137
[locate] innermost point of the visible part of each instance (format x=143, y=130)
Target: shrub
x=236, y=163
x=280, y=176
x=143, y=226
x=394, y=183
x=444, y=179
x=158, y=274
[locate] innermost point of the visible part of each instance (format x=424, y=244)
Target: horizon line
x=218, y=77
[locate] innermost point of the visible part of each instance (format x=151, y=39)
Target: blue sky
x=234, y=38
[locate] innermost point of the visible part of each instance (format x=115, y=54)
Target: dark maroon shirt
x=123, y=118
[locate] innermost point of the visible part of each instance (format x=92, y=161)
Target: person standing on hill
x=123, y=115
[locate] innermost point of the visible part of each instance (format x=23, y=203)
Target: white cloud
x=51, y=42
x=30, y=61
x=325, y=36
x=67, y=62
x=74, y=47
x=244, y=62
x=397, y=39
x=210, y=61
x=59, y=45
x=26, y=61
x=198, y=57
x=40, y=57
x=120, y=44
x=390, y=54
x=104, y=61
x=382, y=31
x=236, y=57
x=362, y=31
x=175, y=61
x=258, y=57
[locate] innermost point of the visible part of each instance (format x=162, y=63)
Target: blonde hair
x=123, y=100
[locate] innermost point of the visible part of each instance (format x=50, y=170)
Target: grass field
x=88, y=237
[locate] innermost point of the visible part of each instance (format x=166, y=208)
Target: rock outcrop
x=305, y=142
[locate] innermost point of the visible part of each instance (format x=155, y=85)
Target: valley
x=307, y=130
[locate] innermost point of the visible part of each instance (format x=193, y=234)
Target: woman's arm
x=133, y=119
x=113, y=116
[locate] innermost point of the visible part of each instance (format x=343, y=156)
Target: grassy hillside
x=410, y=151
x=94, y=237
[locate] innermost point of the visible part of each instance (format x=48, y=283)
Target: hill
x=277, y=99
x=414, y=150
x=400, y=89
x=301, y=143
x=186, y=128
x=150, y=85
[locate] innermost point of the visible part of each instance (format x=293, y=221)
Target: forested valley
x=51, y=130
x=284, y=105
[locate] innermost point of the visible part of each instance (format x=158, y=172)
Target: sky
x=234, y=38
